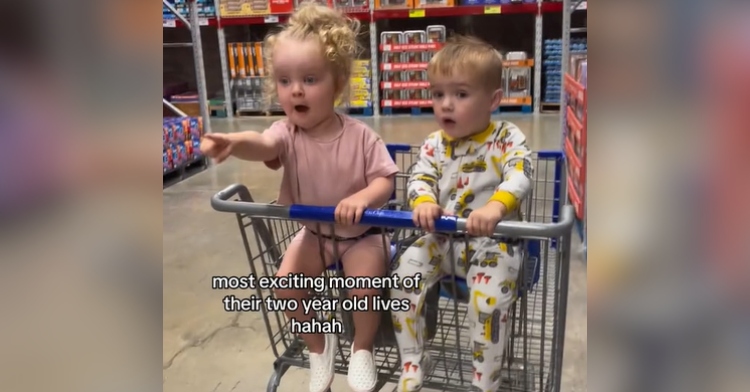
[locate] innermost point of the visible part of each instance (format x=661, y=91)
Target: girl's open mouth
x=301, y=108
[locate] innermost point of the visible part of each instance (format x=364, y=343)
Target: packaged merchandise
x=196, y=152
x=433, y=3
x=391, y=38
x=166, y=133
x=167, y=162
x=517, y=78
x=392, y=76
x=196, y=127
x=436, y=33
x=175, y=156
x=415, y=37
x=392, y=95
x=179, y=131
x=583, y=72
x=392, y=57
x=182, y=152
x=393, y=3
x=414, y=76
x=414, y=94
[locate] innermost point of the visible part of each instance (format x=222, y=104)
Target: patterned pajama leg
x=427, y=257
x=491, y=278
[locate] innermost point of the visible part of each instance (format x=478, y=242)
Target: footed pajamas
x=461, y=176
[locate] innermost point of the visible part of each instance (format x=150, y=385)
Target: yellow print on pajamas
x=463, y=175
x=490, y=277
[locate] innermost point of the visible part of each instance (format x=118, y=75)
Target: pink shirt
x=324, y=172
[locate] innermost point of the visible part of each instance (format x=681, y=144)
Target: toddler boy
x=479, y=170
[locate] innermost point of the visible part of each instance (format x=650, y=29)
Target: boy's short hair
x=463, y=54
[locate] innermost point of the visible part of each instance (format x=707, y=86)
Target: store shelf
x=423, y=66
x=415, y=103
x=363, y=15
x=432, y=46
x=550, y=7
x=462, y=10
x=176, y=23
x=404, y=85
x=279, y=12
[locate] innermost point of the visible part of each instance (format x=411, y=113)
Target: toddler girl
x=328, y=159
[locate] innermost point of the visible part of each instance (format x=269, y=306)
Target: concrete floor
x=209, y=350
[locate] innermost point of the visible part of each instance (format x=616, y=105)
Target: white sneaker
x=322, y=365
x=412, y=375
x=363, y=376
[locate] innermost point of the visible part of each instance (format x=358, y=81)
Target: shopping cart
x=533, y=360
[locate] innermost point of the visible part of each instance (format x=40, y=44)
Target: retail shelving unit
x=237, y=12
x=194, y=25
x=573, y=121
x=186, y=161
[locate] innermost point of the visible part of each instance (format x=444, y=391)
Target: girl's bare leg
x=366, y=258
x=303, y=256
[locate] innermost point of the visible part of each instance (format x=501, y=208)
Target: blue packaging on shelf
x=196, y=127
x=196, y=149
x=166, y=134
x=167, y=164
x=182, y=152
x=179, y=131
x=175, y=156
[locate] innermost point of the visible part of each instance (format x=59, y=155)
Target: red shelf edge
x=549, y=7
x=461, y=10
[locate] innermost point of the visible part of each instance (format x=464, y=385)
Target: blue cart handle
x=381, y=218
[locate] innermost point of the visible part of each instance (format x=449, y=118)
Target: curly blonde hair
x=337, y=35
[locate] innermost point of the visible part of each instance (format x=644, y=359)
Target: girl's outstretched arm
x=253, y=146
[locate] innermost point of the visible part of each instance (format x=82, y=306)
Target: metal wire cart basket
x=533, y=360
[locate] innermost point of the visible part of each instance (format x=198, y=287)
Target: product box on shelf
x=240, y=8
x=327, y=3
x=394, y=4
x=517, y=78
x=180, y=141
x=206, y=9
x=433, y=3
x=352, y=4
x=436, y=33
x=391, y=38
x=583, y=73
x=245, y=59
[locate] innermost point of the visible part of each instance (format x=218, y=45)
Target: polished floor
x=209, y=350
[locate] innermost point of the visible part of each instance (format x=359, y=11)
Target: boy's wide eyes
x=306, y=80
x=459, y=94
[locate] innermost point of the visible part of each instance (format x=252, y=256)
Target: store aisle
x=208, y=350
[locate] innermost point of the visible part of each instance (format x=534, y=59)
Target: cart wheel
x=483, y=264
